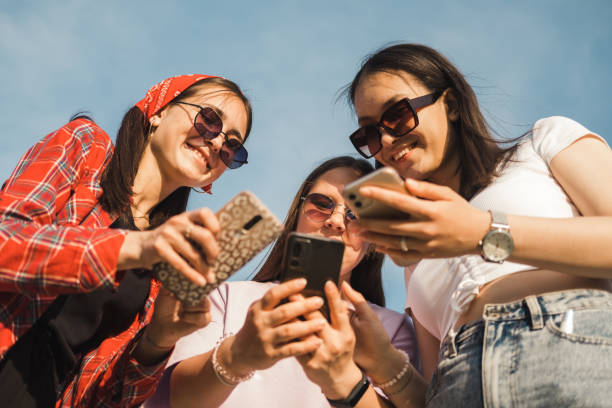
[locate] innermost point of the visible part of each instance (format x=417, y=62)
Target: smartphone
x=317, y=259
x=247, y=227
x=365, y=207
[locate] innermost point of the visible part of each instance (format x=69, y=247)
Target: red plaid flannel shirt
x=54, y=239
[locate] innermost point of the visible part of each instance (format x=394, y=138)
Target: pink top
x=282, y=385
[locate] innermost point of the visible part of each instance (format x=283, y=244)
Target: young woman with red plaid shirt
x=80, y=224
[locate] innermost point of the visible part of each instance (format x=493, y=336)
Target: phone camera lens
x=297, y=249
x=294, y=263
x=352, y=196
x=357, y=204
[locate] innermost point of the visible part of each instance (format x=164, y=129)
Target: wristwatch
x=354, y=396
x=497, y=245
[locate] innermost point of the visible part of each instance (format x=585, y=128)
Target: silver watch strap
x=499, y=220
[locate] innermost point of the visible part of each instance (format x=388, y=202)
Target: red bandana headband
x=163, y=93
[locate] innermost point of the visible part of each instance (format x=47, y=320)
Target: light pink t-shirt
x=282, y=385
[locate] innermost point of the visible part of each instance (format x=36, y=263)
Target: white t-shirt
x=439, y=290
x=284, y=384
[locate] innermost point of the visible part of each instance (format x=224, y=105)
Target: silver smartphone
x=364, y=207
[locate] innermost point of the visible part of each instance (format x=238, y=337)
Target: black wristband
x=354, y=396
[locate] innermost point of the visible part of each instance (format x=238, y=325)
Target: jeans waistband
x=536, y=306
x=533, y=308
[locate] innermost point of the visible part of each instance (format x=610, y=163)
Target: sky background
x=525, y=60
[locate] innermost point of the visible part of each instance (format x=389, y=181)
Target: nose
x=386, y=139
x=336, y=220
x=217, y=142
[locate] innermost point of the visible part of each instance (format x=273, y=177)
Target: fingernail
x=201, y=280
x=365, y=190
x=320, y=322
x=316, y=300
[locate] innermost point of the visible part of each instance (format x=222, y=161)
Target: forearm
x=403, y=385
x=55, y=259
x=579, y=246
x=195, y=383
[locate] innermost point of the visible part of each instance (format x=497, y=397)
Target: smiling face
x=176, y=146
x=331, y=184
x=421, y=154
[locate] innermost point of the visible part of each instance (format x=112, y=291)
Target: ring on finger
x=403, y=244
x=188, y=232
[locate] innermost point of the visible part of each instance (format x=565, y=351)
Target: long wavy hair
x=118, y=176
x=366, y=277
x=478, y=152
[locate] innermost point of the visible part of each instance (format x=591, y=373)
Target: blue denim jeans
x=552, y=350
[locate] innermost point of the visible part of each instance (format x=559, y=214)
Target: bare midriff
x=518, y=285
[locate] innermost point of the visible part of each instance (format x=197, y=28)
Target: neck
x=448, y=174
x=150, y=186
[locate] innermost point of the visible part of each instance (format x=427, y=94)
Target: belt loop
x=535, y=312
x=453, y=347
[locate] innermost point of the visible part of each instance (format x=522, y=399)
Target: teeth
x=404, y=151
x=193, y=149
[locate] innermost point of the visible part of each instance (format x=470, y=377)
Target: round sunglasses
x=319, y=208
x=398, y=120
x=208, y=124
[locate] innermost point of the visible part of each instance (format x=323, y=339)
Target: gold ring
x=403, y=244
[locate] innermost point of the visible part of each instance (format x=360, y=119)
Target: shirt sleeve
x=112, y=378
x=196, y=343
x=553, y=134
x=41, y=252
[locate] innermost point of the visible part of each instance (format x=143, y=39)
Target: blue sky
x=525, y=59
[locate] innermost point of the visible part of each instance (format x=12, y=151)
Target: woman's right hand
x=272, y=330
x=170, y=243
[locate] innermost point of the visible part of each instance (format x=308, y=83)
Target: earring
x=205, y=190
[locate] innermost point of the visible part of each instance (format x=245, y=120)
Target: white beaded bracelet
x=224, y=376
x=399, y=375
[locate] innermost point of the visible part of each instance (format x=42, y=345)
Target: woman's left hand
x=441, y=223
x=331, y=366
x=171, y=320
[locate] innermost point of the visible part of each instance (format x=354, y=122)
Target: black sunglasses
x=401, y=118
x=319, y=207
x=208, y=124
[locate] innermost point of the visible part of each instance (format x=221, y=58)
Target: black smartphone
x=315, y=258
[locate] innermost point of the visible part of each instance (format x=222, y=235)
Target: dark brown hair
x=478, y=152
x=118, y=176
x=366, y=277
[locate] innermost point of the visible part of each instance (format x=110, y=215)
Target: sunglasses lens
x=349, y=215
x=399, y=118
x=233, y=154
x=318, y=207
x=208, y=123
x=367, y=140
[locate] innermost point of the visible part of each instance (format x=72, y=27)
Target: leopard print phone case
x=247, y=227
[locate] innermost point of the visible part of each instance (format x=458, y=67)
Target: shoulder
x=552, y=134
x=87, y=132
x=391, y=319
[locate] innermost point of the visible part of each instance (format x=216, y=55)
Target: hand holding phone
x=247, y=227
x=315, y=258
x=365, y=207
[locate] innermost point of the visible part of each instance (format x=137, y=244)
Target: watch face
x=497, y=246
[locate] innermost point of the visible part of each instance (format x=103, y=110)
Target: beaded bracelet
x=399, y=375
x=224, y=376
